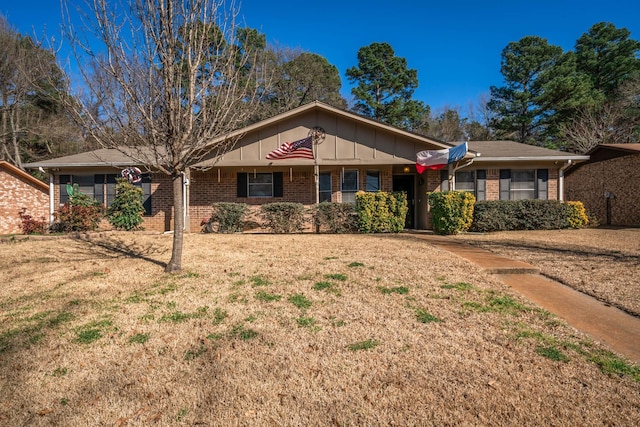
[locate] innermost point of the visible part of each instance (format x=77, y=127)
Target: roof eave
x=530, y=159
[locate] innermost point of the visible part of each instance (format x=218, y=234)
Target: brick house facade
x=609, y=184
x=356, y=154
x=20, y=191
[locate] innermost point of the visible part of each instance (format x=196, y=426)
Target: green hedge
x=226, y=218
x=283, y=217
x=505, y=215
x=332, y=217
x=381, y=212
x=451, y=211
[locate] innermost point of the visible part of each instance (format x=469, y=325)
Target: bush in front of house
x=127, y=209
x=226, y=217
x=507, y=215
x=577, y=215
x=381, y=212
x=283, y=217
x=81, y=213
x=332, y=217
x=30, y=225
x=451, y=211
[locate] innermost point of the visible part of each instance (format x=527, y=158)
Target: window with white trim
x=524, y=184
x=260, y=185
x=466, y=181
x=349, y=186
x=324, y=185
x=373, y=181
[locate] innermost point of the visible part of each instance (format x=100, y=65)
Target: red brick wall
x=17, y=193
x=620, y=177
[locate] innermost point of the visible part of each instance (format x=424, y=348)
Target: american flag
x=301, y=149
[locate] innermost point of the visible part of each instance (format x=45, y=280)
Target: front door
x=406, y=184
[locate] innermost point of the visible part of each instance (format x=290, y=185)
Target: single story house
x=353, y=153
x=19, y=191
x=608, y=184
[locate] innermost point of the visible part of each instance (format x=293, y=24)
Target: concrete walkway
x=609, y=325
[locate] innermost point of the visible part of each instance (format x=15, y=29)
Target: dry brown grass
x=601, y=262
x=221, y=349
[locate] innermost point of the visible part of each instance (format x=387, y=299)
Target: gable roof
x=615, y=150
x=351, y=139
x=101, y=157
x=604, y=152
x=19, y=173
x=489, y=151
x=261, y=134
x=320, y=106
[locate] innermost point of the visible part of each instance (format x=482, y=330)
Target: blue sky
x=454, y=44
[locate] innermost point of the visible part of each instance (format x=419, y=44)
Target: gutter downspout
x=561, y=179
x=185, y=197
x=51, y=207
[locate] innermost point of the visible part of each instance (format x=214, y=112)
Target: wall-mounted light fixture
x=406, y=169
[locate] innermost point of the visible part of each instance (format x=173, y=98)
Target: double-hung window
x=473, y=181
x=349, y=186
x=325, y=186
x=373, y=181
x=524, y=184
x=260, y=185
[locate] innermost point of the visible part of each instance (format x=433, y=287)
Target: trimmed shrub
x=381, y=212
x=505, y=215
x=226, y=218
x=334, y=217
x=127, y=209
x=451, y=211
x=577, y=215
x=283, y=217
x=81, y=213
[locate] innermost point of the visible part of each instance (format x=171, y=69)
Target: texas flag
x=438, y=159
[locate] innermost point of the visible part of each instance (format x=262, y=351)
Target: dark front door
x=406, y=184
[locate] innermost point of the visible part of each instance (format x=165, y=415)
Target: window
x=373, y=181
x=259, y=184
x=481, y=185
x=96, y=186
x=466, y=181
x=325, y=186
x=472, y=181
x=524, y=184
x=85, y=185
x=349, y=186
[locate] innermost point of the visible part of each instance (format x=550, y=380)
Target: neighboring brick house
x=356, y=153
x=608, y=184
x=20, y=191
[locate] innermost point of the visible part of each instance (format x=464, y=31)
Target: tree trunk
x=175, y=264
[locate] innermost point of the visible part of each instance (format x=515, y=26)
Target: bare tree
x=168, y=82
x=447, y=125
x=612, y=122
x=478, y=124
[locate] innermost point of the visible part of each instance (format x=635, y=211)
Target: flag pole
x=316, y=172
x=317, y=136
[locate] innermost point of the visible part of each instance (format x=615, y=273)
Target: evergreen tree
x=608, y=57
x=542, y=86
x=384, y=88
x=125, y=213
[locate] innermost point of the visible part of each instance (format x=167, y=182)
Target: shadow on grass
x=111, y=247
x=564, y=249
